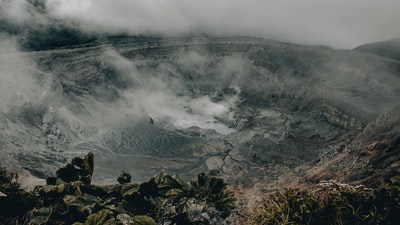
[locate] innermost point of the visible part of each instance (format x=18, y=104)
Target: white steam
x=156, y=94
x=17, y=85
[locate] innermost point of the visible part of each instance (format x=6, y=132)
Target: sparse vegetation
x=329, y=203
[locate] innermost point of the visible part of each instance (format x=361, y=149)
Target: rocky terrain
x=261, y=114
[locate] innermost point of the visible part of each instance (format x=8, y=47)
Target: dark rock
x=78, y=170
x=124, y=178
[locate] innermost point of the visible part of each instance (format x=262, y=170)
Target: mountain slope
x=244, y=108
x=389, y=49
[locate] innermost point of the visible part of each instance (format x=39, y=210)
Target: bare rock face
x=245, y=108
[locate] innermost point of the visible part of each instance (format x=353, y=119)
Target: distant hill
x=389, y=49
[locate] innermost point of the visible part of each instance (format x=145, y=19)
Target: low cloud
x=342, y=24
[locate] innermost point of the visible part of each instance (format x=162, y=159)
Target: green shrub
x=70, y=199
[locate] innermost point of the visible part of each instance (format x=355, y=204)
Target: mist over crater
x=232, y=106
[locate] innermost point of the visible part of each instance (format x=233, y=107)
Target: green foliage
x=169, y=198
x=61, y=189
x=70, y=199
x=104, y=217
x=143, y=220
x=80, y=203
x=396, y=178
x=330, y=204
x=213, y=191
x=38, y=216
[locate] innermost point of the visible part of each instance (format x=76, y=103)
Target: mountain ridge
x=272, y=98
x=389, y=49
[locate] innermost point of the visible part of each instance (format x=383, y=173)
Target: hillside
x=259, y=113
x=389, y=49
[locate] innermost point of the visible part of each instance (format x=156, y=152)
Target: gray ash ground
x=247, y=109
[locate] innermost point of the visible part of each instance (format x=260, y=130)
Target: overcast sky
x=337, y=23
